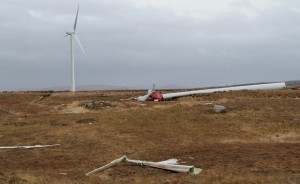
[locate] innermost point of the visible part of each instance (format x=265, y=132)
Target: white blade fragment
x=28, y=147
x=145, y=97
x=112, y=163
x=170, y=165
x=170, y=161
x=176, y=168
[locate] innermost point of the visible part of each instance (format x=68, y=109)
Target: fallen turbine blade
x=145, y=97
x=75, y=23
x=28, y=147
x=79, y=43
x=170, y=165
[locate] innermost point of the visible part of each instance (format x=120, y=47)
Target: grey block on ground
x=219, y=109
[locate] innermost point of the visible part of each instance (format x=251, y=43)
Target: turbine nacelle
x=69, y=33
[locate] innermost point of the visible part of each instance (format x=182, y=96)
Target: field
x=256, y=141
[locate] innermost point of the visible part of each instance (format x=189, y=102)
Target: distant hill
x=78, y=88
x=171, y=86
x=96, y=87
x=289, y=84
x=87, y=88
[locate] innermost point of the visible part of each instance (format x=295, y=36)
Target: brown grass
x=256, y=141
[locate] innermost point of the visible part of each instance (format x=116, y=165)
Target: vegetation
x=256, y=141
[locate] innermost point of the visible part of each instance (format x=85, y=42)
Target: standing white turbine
x=72, y=36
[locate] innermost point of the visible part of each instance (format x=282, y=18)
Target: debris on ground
x=86, y=121
x=131, y=98
x=28, y=147
x=89, y=105
x=170, y=165
x=99, y=104
x=219, y=109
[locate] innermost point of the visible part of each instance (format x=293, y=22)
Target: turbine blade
x=75, y=23
x=78, y=41
x=149, y=93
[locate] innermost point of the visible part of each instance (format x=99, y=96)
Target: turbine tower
x=73, y=36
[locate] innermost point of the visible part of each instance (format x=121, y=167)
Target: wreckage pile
x=170, y=165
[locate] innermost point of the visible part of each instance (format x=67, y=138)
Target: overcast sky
x=189, y=43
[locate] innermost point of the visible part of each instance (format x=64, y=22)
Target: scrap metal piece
x=28, y=147
x=170, y=165
x=112, y=163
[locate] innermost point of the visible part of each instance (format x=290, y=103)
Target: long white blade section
x=28, y=147
x=75, y=23
x=79, y=43
x=270, y=86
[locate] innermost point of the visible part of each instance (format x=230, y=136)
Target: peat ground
x=256, y=141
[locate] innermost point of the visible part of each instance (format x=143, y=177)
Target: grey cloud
x=132, y=46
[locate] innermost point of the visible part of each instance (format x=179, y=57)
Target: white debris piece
x=219, y=109
x=170, y=161
x=28, y=147
x=170, y=165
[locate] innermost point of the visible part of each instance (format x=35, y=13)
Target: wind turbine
x=73, y=36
